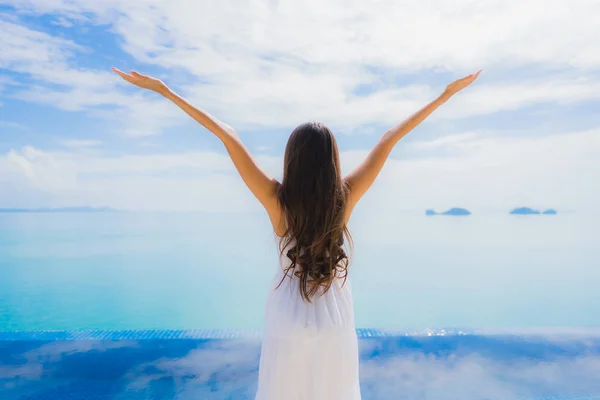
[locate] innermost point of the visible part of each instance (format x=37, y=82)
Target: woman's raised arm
x=363, y=176
x=258, y=181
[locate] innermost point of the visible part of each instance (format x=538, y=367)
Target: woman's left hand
x=143, y=81
x=460, y=84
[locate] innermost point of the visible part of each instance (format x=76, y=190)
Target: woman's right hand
x=461, y=83
x=143, y=81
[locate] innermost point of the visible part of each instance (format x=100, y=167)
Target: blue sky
x=72, y=133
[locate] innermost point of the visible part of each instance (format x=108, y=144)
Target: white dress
x=309, y=350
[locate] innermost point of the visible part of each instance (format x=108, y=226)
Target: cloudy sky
x=526, y=133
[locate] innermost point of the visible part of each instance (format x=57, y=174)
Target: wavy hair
x=313, y=197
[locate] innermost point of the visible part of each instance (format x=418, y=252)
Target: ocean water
x=127, y=270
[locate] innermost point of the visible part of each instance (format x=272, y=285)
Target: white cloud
x=495, y=172
x=274, y=65
x=65, y=23
x=475, y=172
x=42, y=56
x=41, y=171
x=49, y=62
x=400, y=34
x=512, y=96
x=277, y=64
x=180, y=181
x=446, y=141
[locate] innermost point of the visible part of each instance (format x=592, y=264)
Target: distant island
x=531, y=211
x=58, y=210
x=453, y=211
x=524, y=211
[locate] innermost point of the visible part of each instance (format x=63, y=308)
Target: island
x=531, y=211
x=524, y=211
x=58, y=210
x=455, y=211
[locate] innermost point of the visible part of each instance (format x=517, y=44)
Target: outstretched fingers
x=475, y=75
x=118, y=71
x=462, y=83
x=122, y=74
x=470, y=78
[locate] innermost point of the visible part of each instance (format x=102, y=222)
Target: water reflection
x=493, y=367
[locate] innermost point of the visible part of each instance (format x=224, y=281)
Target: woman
x=309, y=349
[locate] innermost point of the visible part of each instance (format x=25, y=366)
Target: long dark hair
x=313, y=197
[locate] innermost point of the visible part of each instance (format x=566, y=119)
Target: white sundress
x=309, y=350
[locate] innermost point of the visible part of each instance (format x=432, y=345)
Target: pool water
x=224, y=365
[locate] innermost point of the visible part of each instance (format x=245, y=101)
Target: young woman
x=309, y=349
